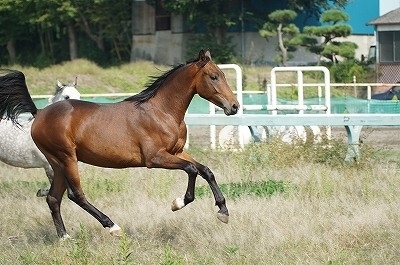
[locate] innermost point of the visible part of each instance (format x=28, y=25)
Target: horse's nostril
x=235, y=108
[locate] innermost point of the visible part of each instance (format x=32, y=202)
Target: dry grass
x=133, y=77
x=128, y=78
x=91, y=78
x=332, y=215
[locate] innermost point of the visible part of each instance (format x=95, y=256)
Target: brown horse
x=145, y=130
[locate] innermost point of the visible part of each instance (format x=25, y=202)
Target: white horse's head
x=64, y=92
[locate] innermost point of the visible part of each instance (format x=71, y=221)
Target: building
x=387, y=46
x=162, y=37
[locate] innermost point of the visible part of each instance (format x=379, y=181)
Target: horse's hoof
x=65, y=237
x=223, y=217
x=115, y=230
x=178, y=203
x=42, y=192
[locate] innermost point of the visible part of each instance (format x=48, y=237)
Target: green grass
x=234, y=191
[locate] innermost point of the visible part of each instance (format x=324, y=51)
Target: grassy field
x=132, y=78
x=289, y=204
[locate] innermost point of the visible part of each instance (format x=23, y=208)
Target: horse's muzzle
x=233, y=110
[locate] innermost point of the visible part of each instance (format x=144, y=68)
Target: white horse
x=16, y=145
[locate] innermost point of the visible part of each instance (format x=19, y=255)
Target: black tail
x=14, y=96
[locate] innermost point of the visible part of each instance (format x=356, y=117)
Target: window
x=389, y=42
x=163, y=17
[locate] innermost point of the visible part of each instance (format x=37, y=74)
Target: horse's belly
x=22, y=156
x=110, y=157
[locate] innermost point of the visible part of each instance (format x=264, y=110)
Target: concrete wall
x=164, y=47
x=167, y=47
x=363, y=42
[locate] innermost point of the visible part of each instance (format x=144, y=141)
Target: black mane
x=154, y=84
x=152, y=87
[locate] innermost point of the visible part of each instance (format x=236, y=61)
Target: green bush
x=224, y=53
x=343, y=72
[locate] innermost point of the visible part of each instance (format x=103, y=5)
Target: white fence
x=352, y=122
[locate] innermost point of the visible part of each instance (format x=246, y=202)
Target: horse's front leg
x=206, y=173
x=188, y=197
x=192, y=168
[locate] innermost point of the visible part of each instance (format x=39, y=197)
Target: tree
x=216, y=16
x=54, y=15
x=315, y=7
x=42, y=32
x=98, y=19
x=333, y=27
x=15, y=21
x=280, y=26
x=220, y=15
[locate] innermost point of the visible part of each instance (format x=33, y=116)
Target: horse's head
x=210, y=84
x=64, y=92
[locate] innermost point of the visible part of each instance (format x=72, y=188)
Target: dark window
x=163, y=17
x=389, y=46
x=396, y=46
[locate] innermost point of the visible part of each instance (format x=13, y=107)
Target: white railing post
x=239, y=96
x=300, y=92
x=300, y=86
x=213, y=130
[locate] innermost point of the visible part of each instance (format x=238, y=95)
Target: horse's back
x=61, y=119
x=76, y=115
x=96, y=134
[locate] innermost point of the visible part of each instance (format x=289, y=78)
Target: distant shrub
x=221, y=53
x=343, y=72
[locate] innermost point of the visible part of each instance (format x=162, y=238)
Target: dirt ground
x=381, y=137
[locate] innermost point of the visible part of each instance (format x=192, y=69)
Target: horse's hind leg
x=75, y=193
x=50, y=175
x=53, y=199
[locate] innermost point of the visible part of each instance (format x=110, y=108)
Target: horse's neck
x=176, y=103
x=175, y=99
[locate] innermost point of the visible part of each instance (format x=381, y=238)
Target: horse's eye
x=66, y=97
x=214, y=77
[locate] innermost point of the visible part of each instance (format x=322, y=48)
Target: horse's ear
x=59, y=86
x=208, y=54
x=204, y=58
